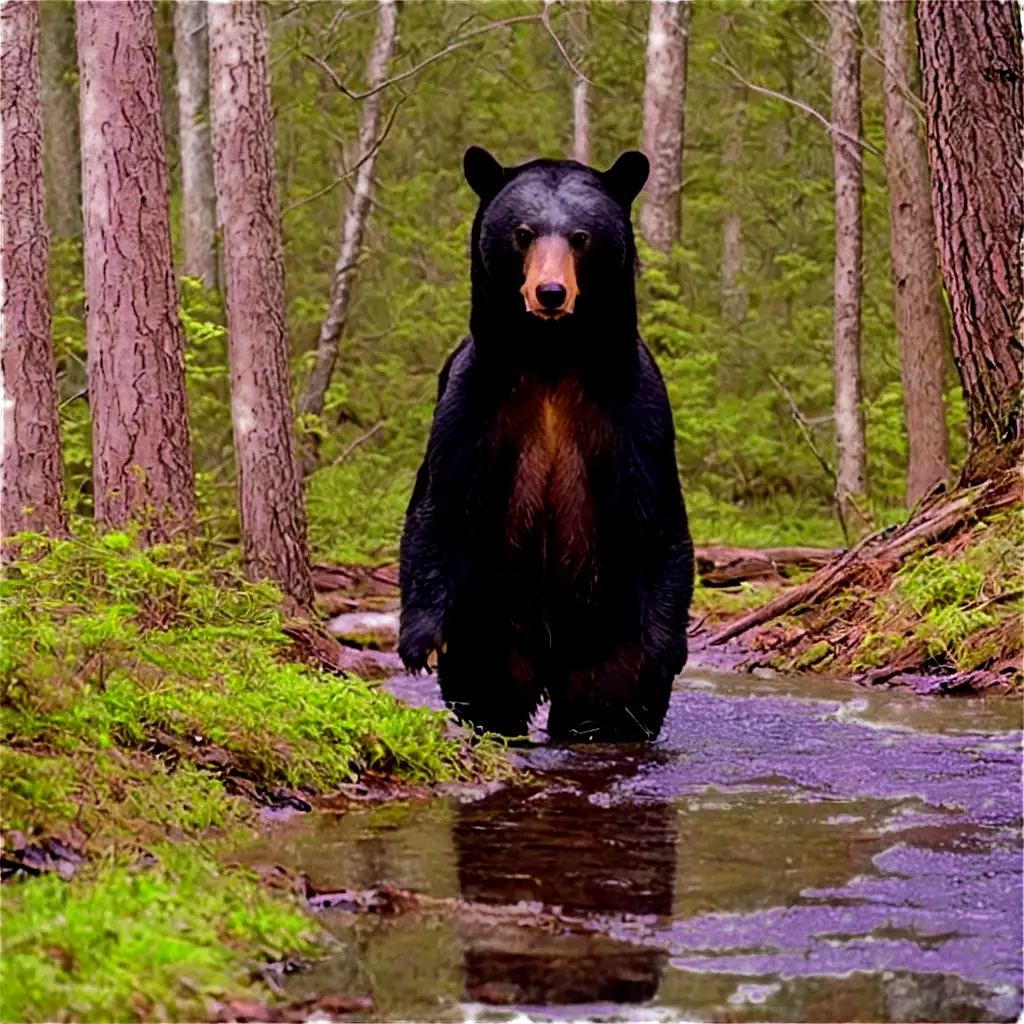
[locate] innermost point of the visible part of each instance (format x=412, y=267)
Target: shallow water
x=788, y=850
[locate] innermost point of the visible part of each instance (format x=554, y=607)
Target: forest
x=235, y=256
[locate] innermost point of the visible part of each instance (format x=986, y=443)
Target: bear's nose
x=552, y=295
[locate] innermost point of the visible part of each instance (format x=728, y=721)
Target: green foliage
x=108, y=652
x=126, y=942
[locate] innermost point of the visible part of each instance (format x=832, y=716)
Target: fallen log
x=720, y=566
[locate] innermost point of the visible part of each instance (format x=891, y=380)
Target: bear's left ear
x=626, y=177
x=484, y=174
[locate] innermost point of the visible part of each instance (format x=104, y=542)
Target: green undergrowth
x=120, y=665
x=153, y=696
x=159, y=939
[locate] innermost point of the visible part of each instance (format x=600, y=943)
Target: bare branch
x=805, y=430
x=545, y=18
x=799, y=104
x=352, y=170
x=451, y=48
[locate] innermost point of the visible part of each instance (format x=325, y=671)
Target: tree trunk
x=846, y=116
x=198, y=199
x=30, y=474
x=60, y=119
x=142, y=464
x=916, y=298
x=734, y=291
x=356, y=212
x=973, y=79
x=577, y=17
x=270, y=499
x=664, y=121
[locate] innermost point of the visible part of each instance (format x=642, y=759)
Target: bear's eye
x=578, y=240
x=523, y=236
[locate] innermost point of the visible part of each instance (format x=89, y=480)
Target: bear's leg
x=489, y=684
x=621, y=697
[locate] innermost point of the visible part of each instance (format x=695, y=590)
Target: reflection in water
x=557, y=849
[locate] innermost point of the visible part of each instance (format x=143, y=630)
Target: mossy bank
x=151, y=702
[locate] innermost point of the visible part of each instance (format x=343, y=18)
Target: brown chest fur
x=550, y=513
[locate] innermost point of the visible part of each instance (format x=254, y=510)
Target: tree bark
x=31, y=488
x=270, y=499
x=60, y=119
x=577, y=18
x=142, y=463
x=973, y=82
x=356, y=213
x=851, y=477
x=198, y=198
x=916, y=297
x=664, y=121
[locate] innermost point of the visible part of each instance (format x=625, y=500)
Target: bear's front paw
x=420, y=634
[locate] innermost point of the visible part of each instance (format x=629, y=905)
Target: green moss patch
x=143, y=941
x=150, y=696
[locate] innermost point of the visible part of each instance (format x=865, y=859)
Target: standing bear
x=546, y=551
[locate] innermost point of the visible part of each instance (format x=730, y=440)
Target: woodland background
x=755, y=166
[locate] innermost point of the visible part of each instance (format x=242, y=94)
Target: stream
x=789, y=849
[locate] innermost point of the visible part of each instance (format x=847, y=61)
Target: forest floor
x=156, y=709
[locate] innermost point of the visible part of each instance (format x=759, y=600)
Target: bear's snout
x=550, y=289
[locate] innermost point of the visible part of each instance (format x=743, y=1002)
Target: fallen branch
x=932, y=524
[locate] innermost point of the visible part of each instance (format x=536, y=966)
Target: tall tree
x=142, y=463
x=31, y=490
x=916, y=298
x=198, y=199
x=664, y=124
x=356, y=213
x=851, y=474
x=578, y=20
x=973, y=80
x=60, y=118
x=271, y=503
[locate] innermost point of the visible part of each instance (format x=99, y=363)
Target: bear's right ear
x=484, y=174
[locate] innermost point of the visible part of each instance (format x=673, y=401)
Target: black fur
x=604, y=636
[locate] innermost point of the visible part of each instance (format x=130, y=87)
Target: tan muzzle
x=550, y=289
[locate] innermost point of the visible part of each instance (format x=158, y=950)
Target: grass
x=153, y=695
x=158, y=941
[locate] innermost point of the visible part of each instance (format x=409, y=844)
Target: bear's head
x=552, y=246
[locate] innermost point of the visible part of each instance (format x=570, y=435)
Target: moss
x=157, y=942
x=815, y=655
x=111, y=654
x=149, y=695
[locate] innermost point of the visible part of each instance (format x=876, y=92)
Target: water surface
x=790, y=850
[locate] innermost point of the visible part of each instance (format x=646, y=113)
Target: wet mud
x=789, y=850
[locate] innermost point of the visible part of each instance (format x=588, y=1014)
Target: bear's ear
x=626, y=177
x=484, y=174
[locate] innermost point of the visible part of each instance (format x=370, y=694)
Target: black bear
x=546, y=551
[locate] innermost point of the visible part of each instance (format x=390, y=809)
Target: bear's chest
x=555, y=437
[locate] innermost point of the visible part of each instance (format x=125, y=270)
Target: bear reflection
x=557, y=849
